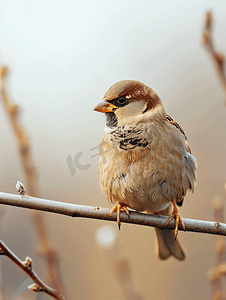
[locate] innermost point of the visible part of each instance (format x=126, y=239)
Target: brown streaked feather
x=173, y=122
x=188, y=147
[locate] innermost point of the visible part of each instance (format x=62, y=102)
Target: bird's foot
x=118, y=208
x=176, y=215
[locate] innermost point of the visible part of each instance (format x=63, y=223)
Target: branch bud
x=20, y=188
x=34, y=287
x=28, y=262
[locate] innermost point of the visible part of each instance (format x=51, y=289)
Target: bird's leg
x=176, y=215
x=118, y=208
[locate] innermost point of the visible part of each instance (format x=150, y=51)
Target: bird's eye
x=122, y=100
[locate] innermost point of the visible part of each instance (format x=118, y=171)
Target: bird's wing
x=174, y=123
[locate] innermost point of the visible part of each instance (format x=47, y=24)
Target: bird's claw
x=176, y=215
x=118, y=208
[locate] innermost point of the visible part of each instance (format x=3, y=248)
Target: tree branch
x=26, y=266
x=24, y=147
x=25, y=154
x=217, y=57
x=82, y=211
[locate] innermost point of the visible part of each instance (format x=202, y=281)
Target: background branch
x=75, y=210
x=1, y=277
x=123, y=271
x=217, y=57
x=216, y=275
x=23, y=143
x=25, y=154
x=26, y=266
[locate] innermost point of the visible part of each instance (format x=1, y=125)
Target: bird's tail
x=167, y=244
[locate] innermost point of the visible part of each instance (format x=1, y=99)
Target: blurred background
x=63, y=56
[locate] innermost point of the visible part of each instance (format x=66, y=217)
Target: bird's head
x=130, y=102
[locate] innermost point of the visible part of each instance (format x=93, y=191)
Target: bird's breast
x=139, y=167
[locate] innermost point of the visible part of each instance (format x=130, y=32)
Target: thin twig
x=123, y=271
x=26, y=266
x=217, y=57
x=75, y=210
x=122, y=267
x=22, y=140
x=220, y=244
x=25, y=154
x=217, y=274
x=1, y=292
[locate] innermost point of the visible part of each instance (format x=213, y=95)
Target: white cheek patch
x=131, y=113
x=132, y=109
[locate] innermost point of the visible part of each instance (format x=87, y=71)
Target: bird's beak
x=104, y=107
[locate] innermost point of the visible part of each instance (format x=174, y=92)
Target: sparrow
x=145, y=162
